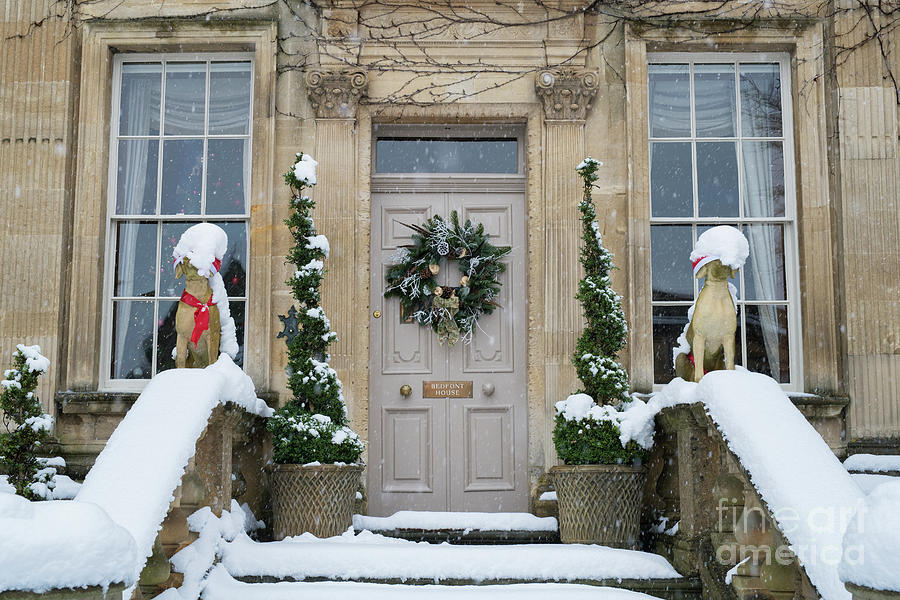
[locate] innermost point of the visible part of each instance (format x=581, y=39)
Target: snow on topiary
x=587, y=433
x=27, y=426
x=312, y=426
x=587, y=428
x=604, y=335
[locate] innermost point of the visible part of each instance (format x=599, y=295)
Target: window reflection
x=734, y=179
x=441, y=155
x=195, y=161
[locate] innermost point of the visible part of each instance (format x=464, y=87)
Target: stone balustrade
x=228, y=463
x=725, y=531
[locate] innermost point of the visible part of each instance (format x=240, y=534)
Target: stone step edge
x=473, y=536
x=668, y=589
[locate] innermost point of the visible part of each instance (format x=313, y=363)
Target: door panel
x=394, y=221
x=408, y=442
x=492, y=350
x=487, y=431
x=406, y=346
x=448, y=453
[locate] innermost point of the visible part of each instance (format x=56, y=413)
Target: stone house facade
x=122, y=122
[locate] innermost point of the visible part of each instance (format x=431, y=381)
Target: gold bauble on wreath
x=434, y=268
x=464, y=280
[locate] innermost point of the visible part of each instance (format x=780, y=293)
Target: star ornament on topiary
x=289, y=321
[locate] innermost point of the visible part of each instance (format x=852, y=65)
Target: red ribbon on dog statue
x=201, y=315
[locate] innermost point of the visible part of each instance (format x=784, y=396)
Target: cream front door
x=459, y=454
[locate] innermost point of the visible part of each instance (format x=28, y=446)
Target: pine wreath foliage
x=479, y=262
x=605, y=332
x=312, y=425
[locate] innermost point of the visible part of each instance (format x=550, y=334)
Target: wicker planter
x=318, y=499
x=599, y=504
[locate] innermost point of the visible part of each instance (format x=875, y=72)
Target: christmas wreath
x=451, y=311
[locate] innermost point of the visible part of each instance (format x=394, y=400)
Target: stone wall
x=55, y=86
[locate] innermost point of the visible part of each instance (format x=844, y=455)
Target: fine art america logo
x=818, y=535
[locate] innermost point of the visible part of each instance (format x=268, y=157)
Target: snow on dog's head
x=723, y=243
x=204, y=244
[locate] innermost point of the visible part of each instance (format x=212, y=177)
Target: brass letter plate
x=446, y=389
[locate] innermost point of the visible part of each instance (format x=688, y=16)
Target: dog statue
x=710, y=334
x=197, y=323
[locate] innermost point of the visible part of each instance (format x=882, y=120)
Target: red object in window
x=201, y=315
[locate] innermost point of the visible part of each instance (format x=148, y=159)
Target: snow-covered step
x=462, y=527
x=221, y=586
x=882, y=464
x=372, y=558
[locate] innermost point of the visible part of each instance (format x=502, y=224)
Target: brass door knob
x=377, y=314
x=405, y=390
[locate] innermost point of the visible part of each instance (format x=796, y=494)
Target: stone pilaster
x=335, y=96
x=566, y=95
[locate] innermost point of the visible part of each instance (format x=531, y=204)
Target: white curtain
x=758, y=158
x=715, y=101
x=140, y=98
x=670, y=111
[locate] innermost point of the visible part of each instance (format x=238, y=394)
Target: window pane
x=434, y=155
x=714, y=100
x=671, y=179
x=763, y=179
x=238, y=313
x=139, y=105
x=234, y=263
x=168, y=285
x=166, y=336
x=182, y=177
x=767, y=341
x=132, y=350
x=668, y=324
x=135, y=259
x=717, y=179
x=670, y=251
x=229, y=98
x=764, y=270
x=226, y=167
x=136, y=177
x=761, y=100
x=670, y=99
x=185, y=98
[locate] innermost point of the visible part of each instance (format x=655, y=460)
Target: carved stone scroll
x=567, y=92
x=336, y=94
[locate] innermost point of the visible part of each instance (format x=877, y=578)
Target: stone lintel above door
x=566, y=92
x=335, y=94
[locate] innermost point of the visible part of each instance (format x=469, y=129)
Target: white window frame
x=106, y=381
x=789, y=221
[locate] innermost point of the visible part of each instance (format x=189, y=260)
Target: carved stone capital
x=567, y=92
x=336, y=94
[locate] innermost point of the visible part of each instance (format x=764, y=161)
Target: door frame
x=456, y=182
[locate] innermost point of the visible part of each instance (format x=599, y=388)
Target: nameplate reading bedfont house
x=446, y=389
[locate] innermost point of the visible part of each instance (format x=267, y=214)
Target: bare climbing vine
x=404, y=32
